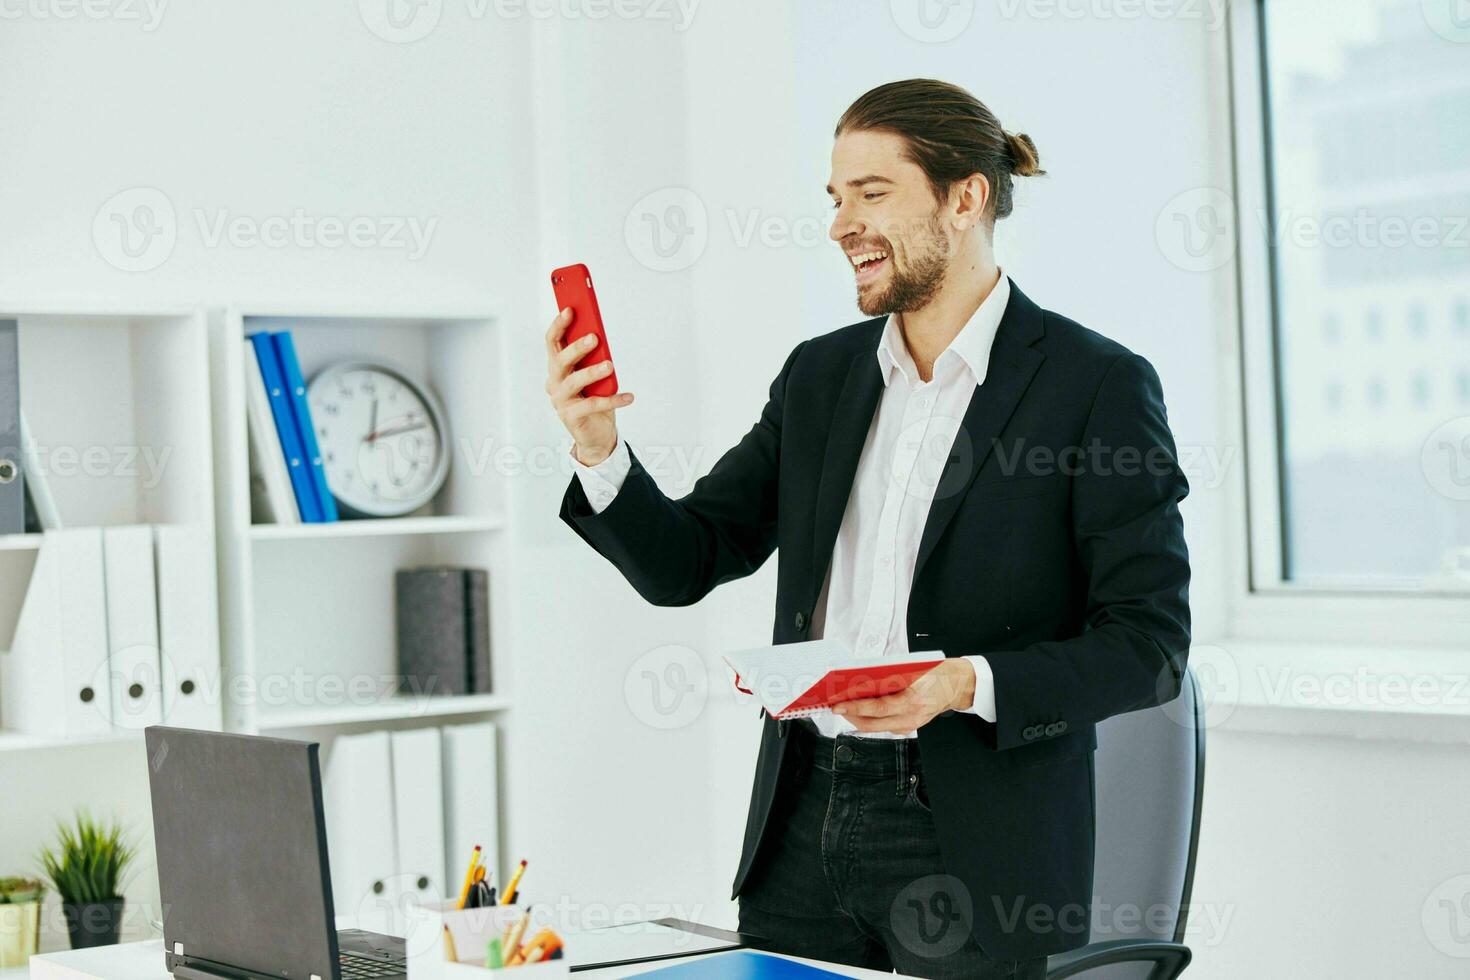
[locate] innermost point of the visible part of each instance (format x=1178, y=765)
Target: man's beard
x=911, y=288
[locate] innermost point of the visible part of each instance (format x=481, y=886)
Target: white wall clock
x=384, y=438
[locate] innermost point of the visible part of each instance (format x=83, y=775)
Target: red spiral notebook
x=795, y=680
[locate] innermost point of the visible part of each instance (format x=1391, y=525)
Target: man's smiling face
x=887, y=222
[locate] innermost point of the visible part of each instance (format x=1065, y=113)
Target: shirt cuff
x=602, y=482
x=984, y=705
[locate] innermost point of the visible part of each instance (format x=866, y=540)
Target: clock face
x=383, y=439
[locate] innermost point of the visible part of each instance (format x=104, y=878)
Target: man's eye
x=872, y=195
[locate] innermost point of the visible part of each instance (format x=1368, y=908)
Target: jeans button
x=844, y=753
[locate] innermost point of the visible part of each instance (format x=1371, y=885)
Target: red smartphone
x=573, y=287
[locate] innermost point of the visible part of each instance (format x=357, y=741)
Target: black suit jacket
x=1054, y=547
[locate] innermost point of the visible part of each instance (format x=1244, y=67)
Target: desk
x=144, y=961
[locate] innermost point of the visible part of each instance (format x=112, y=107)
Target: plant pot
x=20, y=933
x=93, y=923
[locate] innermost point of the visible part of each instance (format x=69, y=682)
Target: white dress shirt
x=864, y=598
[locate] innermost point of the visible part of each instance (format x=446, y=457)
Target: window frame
x=1264, y=604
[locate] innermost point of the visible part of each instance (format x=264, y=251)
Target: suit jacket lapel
x=1013, y=362
x=850, y=423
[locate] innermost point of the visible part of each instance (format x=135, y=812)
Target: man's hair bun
x=1025, y=162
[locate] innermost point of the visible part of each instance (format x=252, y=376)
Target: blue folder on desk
x=740, y=965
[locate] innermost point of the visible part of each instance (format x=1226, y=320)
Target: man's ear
x=969, y=200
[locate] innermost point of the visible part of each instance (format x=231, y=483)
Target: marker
x=515, y=879
x=493, y=959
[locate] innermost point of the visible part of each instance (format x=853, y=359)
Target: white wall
x=257, y=110
x=531, y=144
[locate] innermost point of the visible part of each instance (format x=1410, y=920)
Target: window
x=1354, y=145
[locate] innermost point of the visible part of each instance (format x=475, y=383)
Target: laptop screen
x=242, y=851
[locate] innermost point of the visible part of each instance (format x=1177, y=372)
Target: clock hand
x=372, y=423
x=398, y=431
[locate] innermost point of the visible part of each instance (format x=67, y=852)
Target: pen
x=469, y=877
x=510, y=888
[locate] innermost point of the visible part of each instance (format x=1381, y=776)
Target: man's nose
x=843, y=225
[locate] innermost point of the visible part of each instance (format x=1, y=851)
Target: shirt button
x=870, y=641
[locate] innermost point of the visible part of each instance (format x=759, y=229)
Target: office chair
x=1150, y=770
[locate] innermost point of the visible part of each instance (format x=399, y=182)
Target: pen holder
x=470, y=930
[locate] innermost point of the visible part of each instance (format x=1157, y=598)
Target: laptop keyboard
x=355, y=966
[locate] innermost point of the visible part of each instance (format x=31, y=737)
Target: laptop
x=242, y=863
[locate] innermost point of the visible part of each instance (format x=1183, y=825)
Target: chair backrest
x=1150, y=768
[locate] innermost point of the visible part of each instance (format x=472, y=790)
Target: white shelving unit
x=141, y=417
x=118, y=404
x=307, y=610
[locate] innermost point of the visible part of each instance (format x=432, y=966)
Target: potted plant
x=20, y=920
x=86, y=868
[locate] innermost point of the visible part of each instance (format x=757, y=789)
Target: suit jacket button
x=1051, y=730
x=800, y=621
x=1061, y=727
x=1028, y=733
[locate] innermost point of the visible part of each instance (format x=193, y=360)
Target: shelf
x=399, y=709
x=20, y=542
x=17, y=741
x=386, y=527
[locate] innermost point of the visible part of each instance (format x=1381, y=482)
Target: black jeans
x=850, y=871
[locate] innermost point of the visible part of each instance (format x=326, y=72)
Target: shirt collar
x=971, y=345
